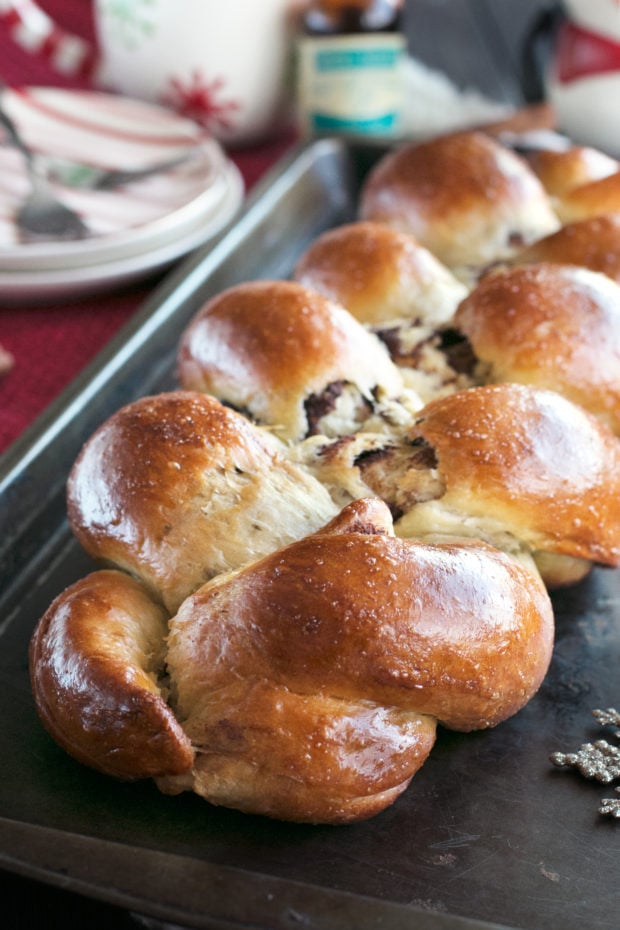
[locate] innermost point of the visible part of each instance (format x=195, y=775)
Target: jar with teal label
x=350, y=67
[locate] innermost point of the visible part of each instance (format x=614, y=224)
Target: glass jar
x=350, y=67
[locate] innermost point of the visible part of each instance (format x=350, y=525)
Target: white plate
x=104, y=130
x=50, y=285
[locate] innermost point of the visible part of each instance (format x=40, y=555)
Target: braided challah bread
x=292, y=360
x=95, y=661
x=469, y=199
x=566, y=168
x=307, y=566
x=176, y=488
x=396, y=288
x=382, y=276
x=552, y=326
x=511, y=464
x=596, y=198
x=306, y=686
x=592, y=243
x=526, y=461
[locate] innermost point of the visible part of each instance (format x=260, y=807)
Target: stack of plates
x=137, y=228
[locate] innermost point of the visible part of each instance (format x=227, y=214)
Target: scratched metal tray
x=488, y=834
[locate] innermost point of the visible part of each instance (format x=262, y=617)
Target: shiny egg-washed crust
x=550, y=326
x=464, y=196
x=305, y=679
x=310, y=682
x=529, y=461
x=562, y=170
x=593, y=243
x=268, y=347
x=94, y=658
x=176, y=488
x=306, y=686
x=596, y=198
x=380, y=275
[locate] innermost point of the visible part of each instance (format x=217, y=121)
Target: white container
x=225, y=63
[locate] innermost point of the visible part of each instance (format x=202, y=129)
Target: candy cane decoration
x=35, y=32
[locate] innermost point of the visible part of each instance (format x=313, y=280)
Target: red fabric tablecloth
x=51, y=344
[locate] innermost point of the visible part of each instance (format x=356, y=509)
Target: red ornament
x=201, y=100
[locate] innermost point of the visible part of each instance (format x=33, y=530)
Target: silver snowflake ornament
x=608, y=718
x=611, y=806
x=599, y=760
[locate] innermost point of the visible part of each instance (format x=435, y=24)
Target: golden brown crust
x=306, y=686
x=94, y=659
x=563, y=170
x=551, y=326
x=269, y=347
x=176, y=488
x=593, y=243
x=380, y=275
x=525, y=461
x=429, y=644
x=467, y=198
x=385, y=635
x=308, y=674
x=367, y=515
x=595, y=198
x=265, y=749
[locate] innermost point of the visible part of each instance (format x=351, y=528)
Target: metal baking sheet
x=488, y=834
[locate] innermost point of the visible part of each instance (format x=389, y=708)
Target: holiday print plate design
x=168, y=212
x=37, y=286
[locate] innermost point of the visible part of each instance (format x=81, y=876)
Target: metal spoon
x=41, y=215
x=89, y=177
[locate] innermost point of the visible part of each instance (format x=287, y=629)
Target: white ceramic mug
x=225, y=63
x=579, y=69
x=599, y=16
x=583, y=86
